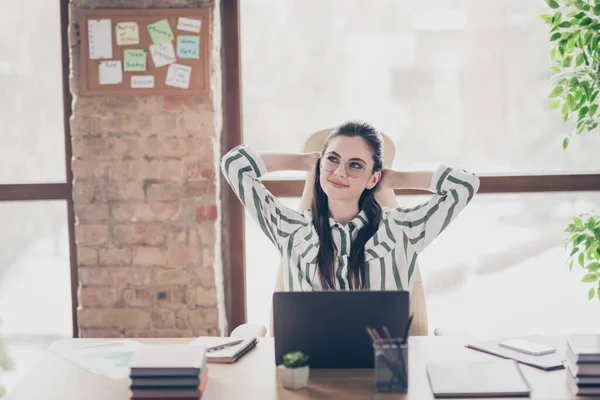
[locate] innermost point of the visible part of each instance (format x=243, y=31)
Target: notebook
x=494, y=378
x=168, y=360
x=585, y=348
x=229, y=354
x=548, y=362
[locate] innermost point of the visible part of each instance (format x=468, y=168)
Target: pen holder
x=391, y=366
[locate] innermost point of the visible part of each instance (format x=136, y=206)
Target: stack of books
x=168, y=371
x=583, y=364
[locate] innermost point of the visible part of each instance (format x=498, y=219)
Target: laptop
x=330, y=326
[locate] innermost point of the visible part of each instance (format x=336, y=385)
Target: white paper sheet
x=142, y=81
x=110, y=72
x=189, y=25
x=163, y=54
x=179, y=76
x=105, y=357
x=100, y=39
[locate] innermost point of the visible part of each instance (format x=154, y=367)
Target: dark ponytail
x=366, y=203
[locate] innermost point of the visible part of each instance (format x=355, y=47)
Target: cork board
x=158, y=65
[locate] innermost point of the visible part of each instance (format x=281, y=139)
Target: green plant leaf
x=591, y=293
x=578, y=222
x=552, y=4
x=597, y=9
x=575, y=250
x=557, y=91
x=592, y=110
x=555, y=104
x=555, y=36
x=593, y=267
x=564, y=111
x=565, y=143
x=579, y=60
x=579, y=15
x=564, y=24
x=567, y=61
x=594, y=95
x=585, y=21
x=589, y=278
x=579, y=239
x=571, y=266
x=571, y=101
x=583, y=111
x=557, y=18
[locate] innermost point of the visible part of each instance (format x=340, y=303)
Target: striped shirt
x=390, y=254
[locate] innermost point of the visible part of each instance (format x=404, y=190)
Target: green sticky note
x=188, y=46
x=134, y=60
x=160, y=31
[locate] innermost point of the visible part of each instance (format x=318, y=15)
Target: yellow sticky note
x=160, y=31
x=134, y=60
x=127, y=33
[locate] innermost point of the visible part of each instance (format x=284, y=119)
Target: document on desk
x=104, y=357
x=547, y=362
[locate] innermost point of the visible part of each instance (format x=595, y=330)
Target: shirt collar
x=357, y=223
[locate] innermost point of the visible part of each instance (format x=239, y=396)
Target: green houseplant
x=575, y=58
x=294, y=371
x=5, y=363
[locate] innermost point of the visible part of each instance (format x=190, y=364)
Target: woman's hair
x=367, y=203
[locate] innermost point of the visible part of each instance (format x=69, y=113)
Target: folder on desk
x=547, y=362
x=494, y=378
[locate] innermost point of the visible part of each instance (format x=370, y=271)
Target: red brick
x=158, y=191
x=182, y=319
x=150, y=105
x=110, y=276
x=125, y=190
x=207, y=233
x=91, y=234
x=140, y=234
x=208, y=254
x=172, y=275
x=89, y=191
x=115, y=256
x=127, y=123
x=87, y=255
x=179, y=102
x=206, y=213
x=93, y=147
x=113, y=318
x=178, y=255
x=127, y=145
x=199, y=170
x=144, y=212
x=202, y=297
x=91, y=212
x=207, y=277
x=99, y=296
x=199, y=123
x=160, y=333
x=163, y=123
x=100, y=333
x=162, y=318
x=83, y=125
x=141, y=296
x=83, y=169
x=149, y=256
x=196, y=189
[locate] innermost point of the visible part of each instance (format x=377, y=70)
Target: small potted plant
x=293, y=374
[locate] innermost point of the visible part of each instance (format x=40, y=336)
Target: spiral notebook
x=229, y=354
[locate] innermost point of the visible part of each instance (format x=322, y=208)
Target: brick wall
x=146, y=201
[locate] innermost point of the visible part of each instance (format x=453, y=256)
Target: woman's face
x=347, y=168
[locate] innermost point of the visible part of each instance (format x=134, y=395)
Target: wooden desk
x=254, y=377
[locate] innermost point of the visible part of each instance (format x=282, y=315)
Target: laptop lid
x=330, y=326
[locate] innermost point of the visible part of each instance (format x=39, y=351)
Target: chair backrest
x=386, y=198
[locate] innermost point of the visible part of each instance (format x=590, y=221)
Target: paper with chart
x=188, y=46
x=163, y=54
x=110, y=72
x=134, y=60
x=142, y=81
x=189, y=25
x=100, y=39
x=127, y=33
x=105, y=357
x=179, y=76
x=160, y=31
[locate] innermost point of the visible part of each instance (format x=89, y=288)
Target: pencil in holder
x=391, y=365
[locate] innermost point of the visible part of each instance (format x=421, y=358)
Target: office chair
x=386, y=198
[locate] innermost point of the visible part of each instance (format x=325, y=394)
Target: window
x=462, y=83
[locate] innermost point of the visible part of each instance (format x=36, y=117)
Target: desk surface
x=254, y=377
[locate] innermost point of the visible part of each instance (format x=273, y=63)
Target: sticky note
x=160, y=31
x=134, y=60
x=142, y=81
x=110, y=72
x=127, y=33
x=163, y=54
x=188, y=46
x=100, y=39
x=179, y=76
x=189, y=25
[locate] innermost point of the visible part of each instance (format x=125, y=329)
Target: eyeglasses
x=354, y=168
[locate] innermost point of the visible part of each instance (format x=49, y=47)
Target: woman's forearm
x=289, y=161
x=408, y=180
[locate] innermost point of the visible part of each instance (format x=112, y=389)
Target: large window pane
x=32, y=144
x=35, y=282
x=498, y=269
x=456, y=82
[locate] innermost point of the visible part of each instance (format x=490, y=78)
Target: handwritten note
x=110, y=72
x=189, y=25
x=142, y=81
x=179, y=76
x=135, y=60
x=100, y=39
x=163, y=54
x=127, y=33
x=188, y=46
x=160, y=31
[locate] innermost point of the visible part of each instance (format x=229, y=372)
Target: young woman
x=347, y=241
